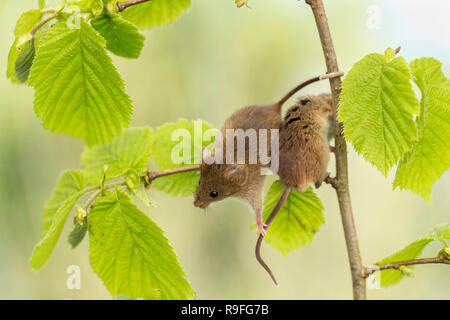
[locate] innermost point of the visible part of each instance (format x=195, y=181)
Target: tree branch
x=154, y=175
x=125, y=4
x=396, y=265
x=341, y=181
x=40, y=24
x=332, y=181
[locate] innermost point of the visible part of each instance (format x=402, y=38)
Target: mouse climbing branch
x=340, y=182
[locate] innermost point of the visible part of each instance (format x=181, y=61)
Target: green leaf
x=60, y=7
x=11, y=68
x=26, y=22
x=447, y=252
x=377, y=107
x=69, y=184
x=156, y=296
x=97, y=7
x=67, y=192
x=131, y=150
x=41, y=4
x=132, y=180
x=412, y=251
x=155, y=12
x=24, y=25
x=77, y=234
x=241, y=3
x=430, y=157
x=389, y=54
x=82, y=4
x=142, y=195
x=129, y=252
x=24, y=61
x=441, y=231
x=297, y=221
x=182, y=184
x=122, y=37
x=78, y=90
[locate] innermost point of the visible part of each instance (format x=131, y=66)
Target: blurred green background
x=213, y=60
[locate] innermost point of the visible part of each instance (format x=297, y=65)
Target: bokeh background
x=213, y=60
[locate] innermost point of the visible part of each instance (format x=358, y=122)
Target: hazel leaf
x=377, y=107
x=78, y=90
x=130, y=253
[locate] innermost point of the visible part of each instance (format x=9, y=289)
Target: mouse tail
x=278, y=105
x=269, y=220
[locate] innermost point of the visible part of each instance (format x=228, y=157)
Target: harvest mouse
x=219, y=181
x=304, y=151
x=304, y=148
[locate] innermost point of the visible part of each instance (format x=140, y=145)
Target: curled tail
x=278, y=105
x=269, y=220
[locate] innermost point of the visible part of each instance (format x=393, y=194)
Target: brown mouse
x=244, y=181
x=304, y=148
x=304, y=151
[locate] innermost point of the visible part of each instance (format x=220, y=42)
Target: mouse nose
x=199, y=203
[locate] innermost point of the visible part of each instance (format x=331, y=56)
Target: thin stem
x=99, y=189
x=149, y=177
x=90, y=189
x=341, y=181
x=396, y=265
x=92, y=198
x=48, y=10
x=125, y=4
x=52, y=15
x=154, y=175
x=41, y=23
x=332, y=181
x=306, y=83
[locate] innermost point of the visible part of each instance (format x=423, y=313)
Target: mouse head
x=321, y=105
x=219, y=181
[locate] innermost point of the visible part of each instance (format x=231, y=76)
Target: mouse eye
x=304, y=102
x=213, y=194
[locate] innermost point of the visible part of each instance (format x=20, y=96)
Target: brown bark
x=125, y=4
x=396, y=265
x=340, y=183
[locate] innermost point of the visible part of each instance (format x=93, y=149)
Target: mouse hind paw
x=262, y=228
x=317, y=184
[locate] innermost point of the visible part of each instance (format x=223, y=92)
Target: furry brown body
x=304, y=148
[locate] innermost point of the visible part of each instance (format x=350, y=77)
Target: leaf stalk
x=126, y=4
x=396, y=265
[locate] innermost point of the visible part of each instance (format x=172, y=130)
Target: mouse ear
x=206, y=156
x=238, y=175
